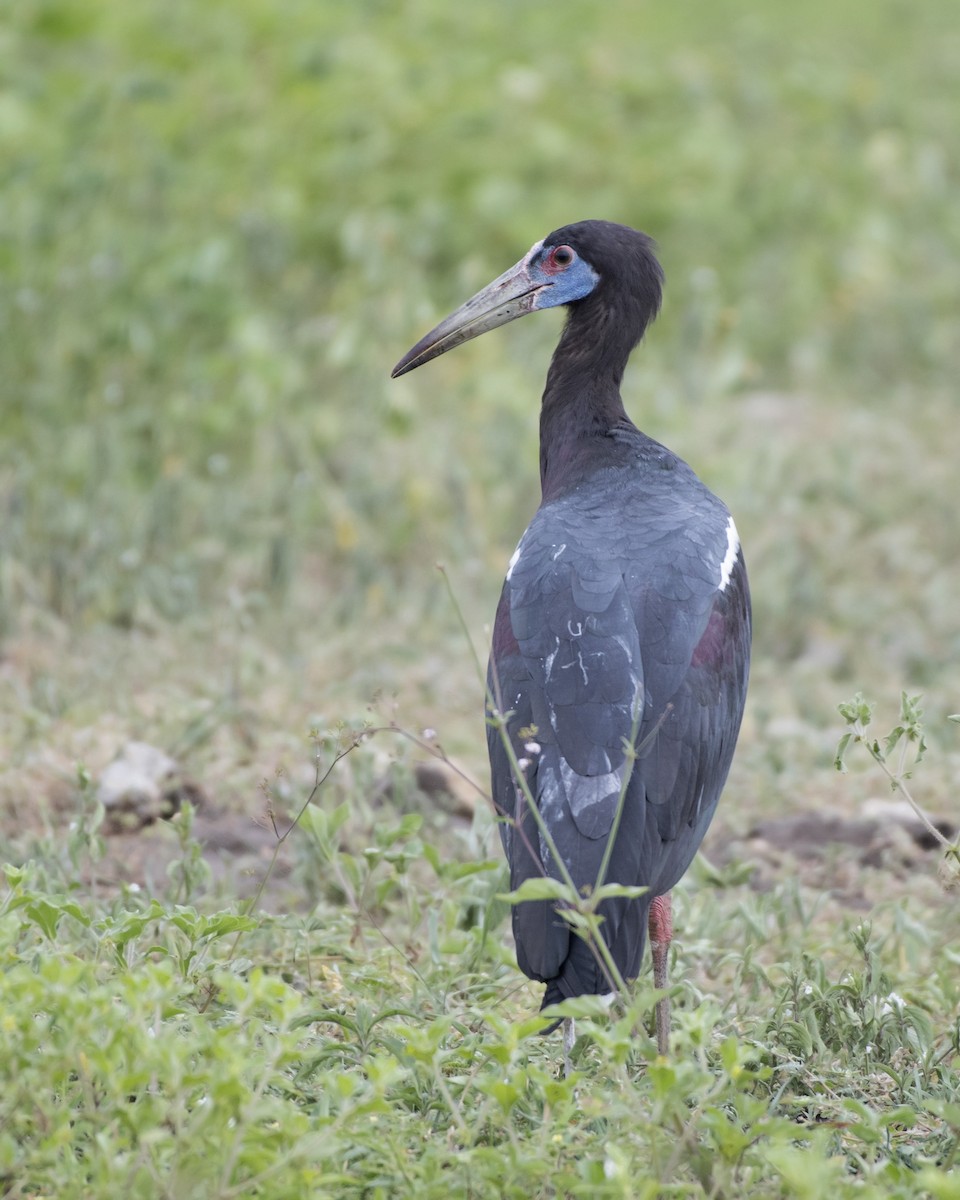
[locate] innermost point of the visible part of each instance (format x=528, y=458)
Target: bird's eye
x=559, y=258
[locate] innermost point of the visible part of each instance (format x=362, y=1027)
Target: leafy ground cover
x=220, y=226
x=379, y=1041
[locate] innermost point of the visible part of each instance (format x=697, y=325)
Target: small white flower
x=532, y=747
x=523, y=763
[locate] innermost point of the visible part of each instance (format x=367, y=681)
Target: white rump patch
x=730, y=558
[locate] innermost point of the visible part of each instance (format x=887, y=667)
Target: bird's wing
x=608, y=634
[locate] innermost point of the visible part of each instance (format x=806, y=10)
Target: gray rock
x=140, y=786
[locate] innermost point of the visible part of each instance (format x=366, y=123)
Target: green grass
x=220, y=226
x=381, y=1045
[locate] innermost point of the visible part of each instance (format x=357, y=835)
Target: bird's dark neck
x=581, y=402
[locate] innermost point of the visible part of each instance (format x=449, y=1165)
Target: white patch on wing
x=549, y=660
x=584, y=791
x=730, y=558
x=514, y=559
x=583, y=669
x=636, y=705
x=550, y=803
x=547, y=668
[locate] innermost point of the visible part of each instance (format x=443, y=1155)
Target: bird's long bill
x=512, y=295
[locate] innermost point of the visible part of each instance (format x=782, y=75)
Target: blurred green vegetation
x=222, y=223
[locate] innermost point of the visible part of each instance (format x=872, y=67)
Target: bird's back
x=625, y=615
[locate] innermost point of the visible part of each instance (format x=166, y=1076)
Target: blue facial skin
x=563, y=286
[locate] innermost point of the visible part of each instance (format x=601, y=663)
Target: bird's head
x=610, y=266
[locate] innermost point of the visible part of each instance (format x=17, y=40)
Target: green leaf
x=46, y=914
x=611, y=890
x=543, y=888
x=941, y=1185
x=856, y=711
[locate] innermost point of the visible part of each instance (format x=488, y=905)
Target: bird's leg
x=569, y=1038
x=660, y=925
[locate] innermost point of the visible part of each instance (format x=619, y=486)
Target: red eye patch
x=559, y=258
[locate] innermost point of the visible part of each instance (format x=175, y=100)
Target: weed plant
x=381, y=1044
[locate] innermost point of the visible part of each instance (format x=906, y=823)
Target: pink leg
x=660, y=925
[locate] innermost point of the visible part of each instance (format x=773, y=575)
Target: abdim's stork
x=624, y=617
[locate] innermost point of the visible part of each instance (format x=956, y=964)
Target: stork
x=621, y=643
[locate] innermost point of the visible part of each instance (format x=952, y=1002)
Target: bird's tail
x=580, y=975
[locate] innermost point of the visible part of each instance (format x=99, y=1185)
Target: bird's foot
x=660, y=925
x=569, y=1038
